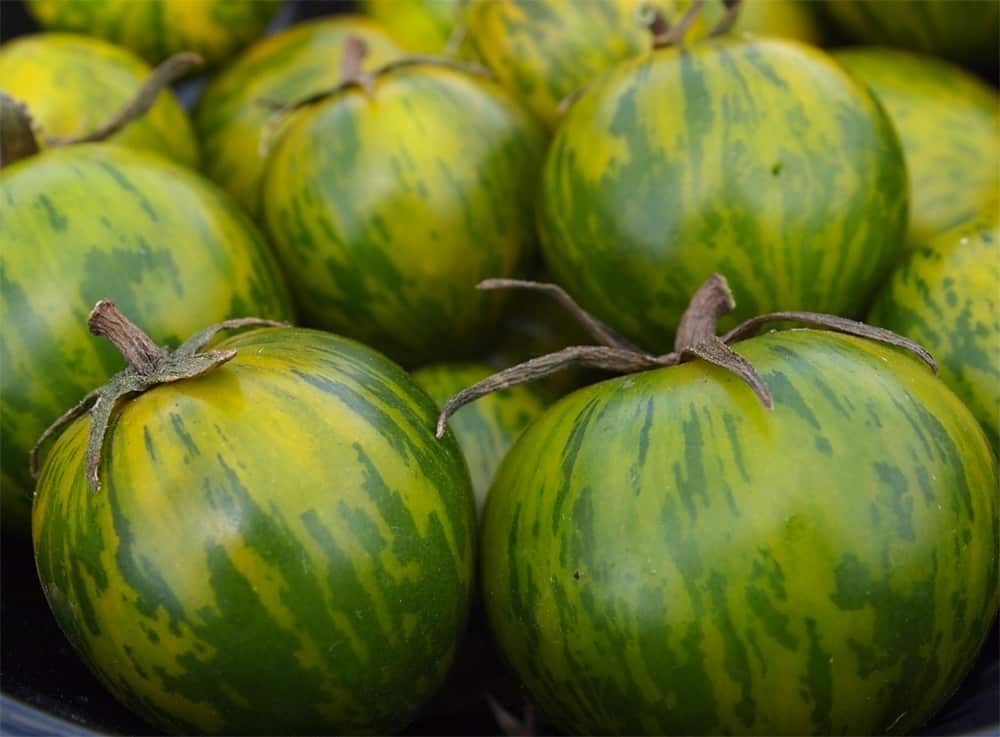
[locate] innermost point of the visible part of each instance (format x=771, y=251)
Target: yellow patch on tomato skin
x=73, y=84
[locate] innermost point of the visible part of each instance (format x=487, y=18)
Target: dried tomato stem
x=18, y=137
x=148, y=366
x=81, y=408
x=715, y=351
x=353, y=55
x=750, y=327
x=695, y=338
x=141, y=354
x=351, y=60
x=713, y=300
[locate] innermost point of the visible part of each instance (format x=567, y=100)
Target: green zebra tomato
x=760, y=159
x=387, y=206
x=663, y=555
x=278, y=546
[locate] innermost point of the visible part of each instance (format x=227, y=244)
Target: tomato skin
x=791, y=183
x=663, y=555
x=279, y=546
x=386, y=212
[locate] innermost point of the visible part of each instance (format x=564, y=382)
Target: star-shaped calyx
x=696, y=338
x=148, y=365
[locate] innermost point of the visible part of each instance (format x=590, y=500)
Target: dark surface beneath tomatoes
x=43, y=680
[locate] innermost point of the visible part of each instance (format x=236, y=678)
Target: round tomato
x=663, y=555
x=278, y=545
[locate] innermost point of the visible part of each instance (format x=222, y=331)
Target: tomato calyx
x=352, y=77
x=696, y=338
x=148, y=366
x=21, y=136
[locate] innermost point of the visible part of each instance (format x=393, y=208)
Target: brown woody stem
x=18, y=137
x=695, y=338
x=712, y=301
x=351, y=60
x=148, y=366
x=140, y=353
x=170, y=70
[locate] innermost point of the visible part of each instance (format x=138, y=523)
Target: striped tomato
x=946, y=295
x=71, y=83
x=948, y=122
x=155, y=29
x=97, y=220
x=281, y=68
x=391, y=198
x=662, y=555
x=758, y=158
x=486, y=430
x=277, y=546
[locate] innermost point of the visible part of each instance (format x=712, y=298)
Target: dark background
x=46, y=688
